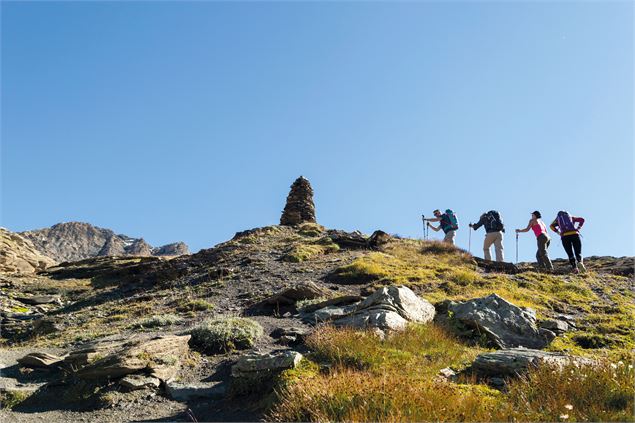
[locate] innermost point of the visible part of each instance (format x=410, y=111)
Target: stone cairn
x=299, y=208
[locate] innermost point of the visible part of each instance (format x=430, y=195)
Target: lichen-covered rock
x=515, y=361
x=503, y=323
x=255, y=364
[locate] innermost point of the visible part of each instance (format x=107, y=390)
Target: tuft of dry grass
x=603, y=392
x=428, y=348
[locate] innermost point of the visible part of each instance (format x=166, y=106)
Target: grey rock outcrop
x=299, y=207
x=503, y=323
x=74, y=241
x=389, y=309
x=515, y=361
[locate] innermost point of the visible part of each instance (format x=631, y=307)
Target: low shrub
x=159, y=321
x=226, y=334
x=185, y=305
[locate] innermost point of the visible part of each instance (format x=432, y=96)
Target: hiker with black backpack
x=540, y=230
x=564, y=224
x=447, y=221
x=494, y=230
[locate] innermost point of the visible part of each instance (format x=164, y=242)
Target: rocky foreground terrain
x=301, y=323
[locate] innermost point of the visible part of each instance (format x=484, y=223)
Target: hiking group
x=564, y=224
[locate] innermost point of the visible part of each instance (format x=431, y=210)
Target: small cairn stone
x=300, y=207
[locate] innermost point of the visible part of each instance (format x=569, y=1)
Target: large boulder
x=389, y=309
x=503, y=323
x=515, y=361
x=160, y=357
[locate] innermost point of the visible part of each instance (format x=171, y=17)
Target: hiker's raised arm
x=434, y=228
x=527, y=228
x=554, y=226
x=478, y=224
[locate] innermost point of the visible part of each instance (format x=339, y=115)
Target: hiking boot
x=581, y=267
x=575, y=270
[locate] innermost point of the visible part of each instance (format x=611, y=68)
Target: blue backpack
x=449, y=221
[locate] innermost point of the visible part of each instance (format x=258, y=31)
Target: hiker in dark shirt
x=448, y=222
x=564, y=224
x=494, y=230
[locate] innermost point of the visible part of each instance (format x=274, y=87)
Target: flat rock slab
x=39, y=360
x=337, y=301
x=515, y=361
x=159, y=356
x=136, y=382
x=256, y=363
x=505, y=324
x=39, y=299
x=190, y=391
x=328, y=313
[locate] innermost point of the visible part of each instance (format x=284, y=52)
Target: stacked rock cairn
x=300, y=207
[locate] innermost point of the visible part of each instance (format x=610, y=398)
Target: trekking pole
x=516, y=247
x=469, y=242
x=423, y=220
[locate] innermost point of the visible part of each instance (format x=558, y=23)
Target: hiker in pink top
x=540, y=230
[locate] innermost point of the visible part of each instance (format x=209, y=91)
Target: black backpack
x=493, y=221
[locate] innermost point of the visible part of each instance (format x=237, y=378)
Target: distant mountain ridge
x=72, y=241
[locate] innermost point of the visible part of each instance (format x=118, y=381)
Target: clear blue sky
x=189, y=121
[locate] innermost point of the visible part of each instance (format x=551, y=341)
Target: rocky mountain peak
x=73, y=241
